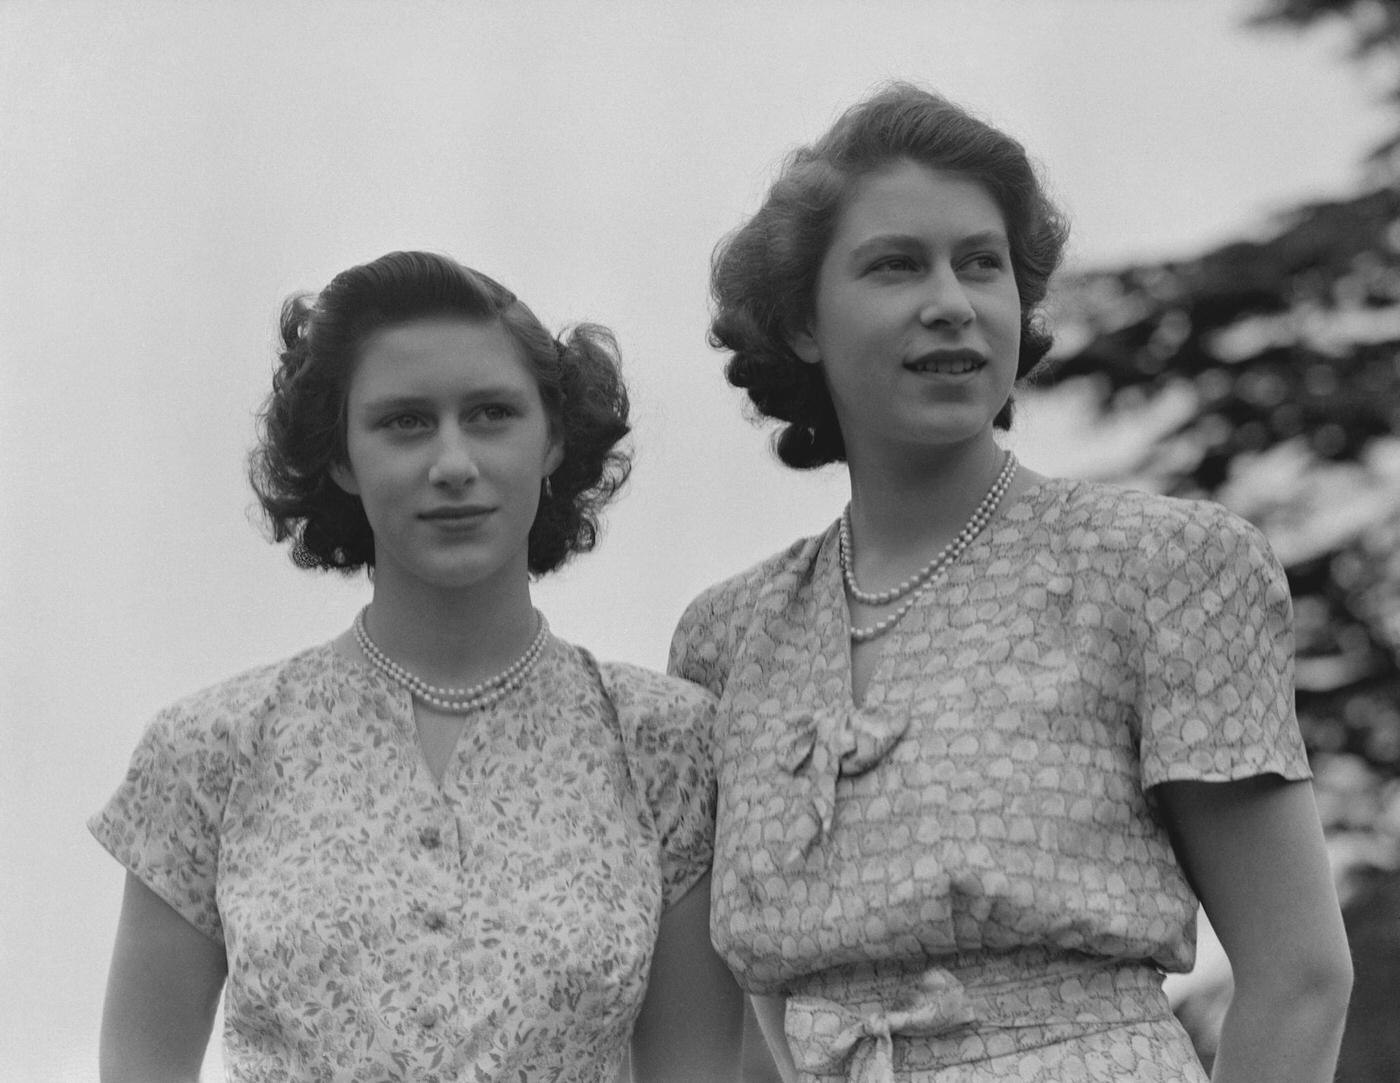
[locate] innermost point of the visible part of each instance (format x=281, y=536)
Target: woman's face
x=447, y=443
x=917, y=321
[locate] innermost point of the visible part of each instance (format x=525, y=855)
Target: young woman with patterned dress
x=446, y=845
x=985, y=741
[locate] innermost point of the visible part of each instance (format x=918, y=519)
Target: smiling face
x=916, y=317
x=447, y=443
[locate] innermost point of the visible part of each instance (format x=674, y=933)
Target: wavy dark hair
x=301, y=427
x=763, y=275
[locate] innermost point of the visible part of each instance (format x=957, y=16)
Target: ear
x=343, y=476
x=804, y=344
x=554, y=455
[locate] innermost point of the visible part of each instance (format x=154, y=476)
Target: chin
x=948, y=434
x=455, y=579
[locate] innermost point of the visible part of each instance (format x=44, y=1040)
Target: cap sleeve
x=701, y=645
x=718, y=620
x=667, y=726
x=163, y=821
x=1216, y=697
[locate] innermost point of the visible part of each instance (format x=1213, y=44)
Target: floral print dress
x=381, y=926
x=962, y=877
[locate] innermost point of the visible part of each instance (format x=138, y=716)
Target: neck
x=452, y=637
x=908, y=506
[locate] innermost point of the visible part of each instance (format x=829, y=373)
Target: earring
x=548, y=488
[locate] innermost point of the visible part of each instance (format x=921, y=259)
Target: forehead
x=909, y=198
x=437, y=353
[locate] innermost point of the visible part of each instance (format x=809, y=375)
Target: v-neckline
x=838, y=633
x=449, y=751
x=828, y=574
x=406, y=724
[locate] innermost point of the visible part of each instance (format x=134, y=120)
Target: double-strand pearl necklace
x=454, y=700
x=926, y=576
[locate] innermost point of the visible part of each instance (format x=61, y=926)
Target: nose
x=453, y=463
x=947, y=303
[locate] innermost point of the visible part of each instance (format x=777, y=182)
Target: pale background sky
x=170, y=170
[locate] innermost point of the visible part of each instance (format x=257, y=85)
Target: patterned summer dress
x=380, y=926
x=962, y=877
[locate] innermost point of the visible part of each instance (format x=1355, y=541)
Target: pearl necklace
x=454, y=700
x=926, y=576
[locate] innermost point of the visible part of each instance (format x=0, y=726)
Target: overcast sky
x=169, y=171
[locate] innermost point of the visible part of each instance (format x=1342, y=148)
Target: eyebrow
x=908, y=240
x=406, y=402
x=986, y=236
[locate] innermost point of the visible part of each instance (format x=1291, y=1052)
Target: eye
x=894, y=265
x=404, y=422
x=985, y=263
x=494, y=411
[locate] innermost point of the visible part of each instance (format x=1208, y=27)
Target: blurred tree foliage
x=1281, y=359
x=1375, y=33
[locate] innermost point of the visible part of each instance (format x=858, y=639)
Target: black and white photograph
x=670, y=541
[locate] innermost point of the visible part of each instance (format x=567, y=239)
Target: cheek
x=525, y=463
x=380, y=480
x=1008, y=320
x=861, y=319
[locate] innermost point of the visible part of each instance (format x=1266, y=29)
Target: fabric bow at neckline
x=828, y=1037
x=821, y=746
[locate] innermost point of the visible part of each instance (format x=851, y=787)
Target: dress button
x=435, y=920
x=430, y=837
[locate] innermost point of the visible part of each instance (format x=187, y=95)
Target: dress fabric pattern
x=979, y=830
x=381, y=926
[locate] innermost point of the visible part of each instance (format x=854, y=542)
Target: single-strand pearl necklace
x=926, y=576
x=455, y=700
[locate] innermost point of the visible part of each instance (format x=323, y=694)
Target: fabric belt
x=867, y=1022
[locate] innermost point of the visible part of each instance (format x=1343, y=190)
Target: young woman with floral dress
x=446, y=845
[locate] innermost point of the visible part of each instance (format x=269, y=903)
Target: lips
x=947, y=362
x=465, y=513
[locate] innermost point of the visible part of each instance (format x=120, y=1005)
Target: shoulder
x=745, y=589
x=228, y=709
x=640, y=684
x=1178, y=566
x=1167, y=530
x=1124, y=507
x=720, y=615
x=653, y=706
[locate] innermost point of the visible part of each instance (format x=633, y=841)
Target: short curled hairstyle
x=764, y=275
x=301, y=427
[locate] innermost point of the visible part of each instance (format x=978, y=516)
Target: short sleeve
x=1216, y=699
x=700, y=646
x=163, y=821
x=668, y=725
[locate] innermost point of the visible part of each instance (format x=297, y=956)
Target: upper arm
x=1253, y=850
x=769, y=1013
x=1215, y=695
x=691, y=1022
x=668, y=733
x=700, y=645
x=164, y=821
x=162, y=993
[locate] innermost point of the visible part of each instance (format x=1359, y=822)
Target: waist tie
x=862, y=1023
